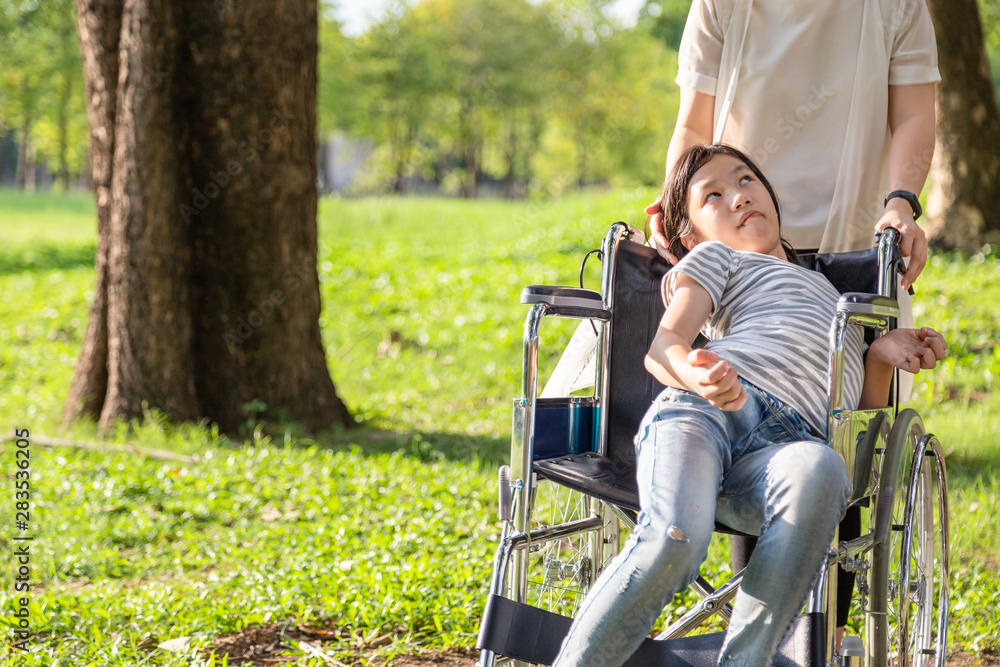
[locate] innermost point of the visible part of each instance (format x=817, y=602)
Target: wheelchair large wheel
x=908, y=608
x=560, y=572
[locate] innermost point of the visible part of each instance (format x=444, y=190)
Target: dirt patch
x=969, y=660
x=250, y=646
x=279, y=644
x=271, y=644
x=448, y=659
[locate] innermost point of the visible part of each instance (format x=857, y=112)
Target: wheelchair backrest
x=636, y=272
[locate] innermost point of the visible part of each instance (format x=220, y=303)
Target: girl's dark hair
x=675, y=193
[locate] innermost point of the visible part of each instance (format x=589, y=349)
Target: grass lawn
x=377, y=541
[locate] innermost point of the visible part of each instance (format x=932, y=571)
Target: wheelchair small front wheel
x=909, y=596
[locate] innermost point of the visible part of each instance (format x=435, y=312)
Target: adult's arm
x=911, y=121
x=695, y=121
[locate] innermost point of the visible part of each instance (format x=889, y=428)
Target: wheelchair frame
x=897, y=471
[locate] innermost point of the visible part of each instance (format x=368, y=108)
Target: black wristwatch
x=909, y=197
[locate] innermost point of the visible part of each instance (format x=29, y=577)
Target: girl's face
x=727, y=203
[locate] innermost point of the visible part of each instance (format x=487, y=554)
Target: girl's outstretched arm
x=672, y=361
x=908, y=349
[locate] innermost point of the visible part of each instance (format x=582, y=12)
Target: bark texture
x=204, y=160
x=965, y=170
x=99, y=26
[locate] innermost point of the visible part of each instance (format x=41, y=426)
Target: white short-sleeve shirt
x=811, y=100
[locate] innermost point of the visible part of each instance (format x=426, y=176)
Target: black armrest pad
x=575, y=297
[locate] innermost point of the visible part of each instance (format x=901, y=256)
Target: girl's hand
x=910, y=349
x=715, y=380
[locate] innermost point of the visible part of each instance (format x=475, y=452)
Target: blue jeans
x=758, y=470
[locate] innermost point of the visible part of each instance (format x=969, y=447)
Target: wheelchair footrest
x=530, y=634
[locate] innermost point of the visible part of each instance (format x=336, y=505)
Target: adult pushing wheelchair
x=571, y=488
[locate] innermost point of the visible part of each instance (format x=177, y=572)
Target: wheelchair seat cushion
x=602, y=477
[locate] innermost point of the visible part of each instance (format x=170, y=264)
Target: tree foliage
x=521, y=95
x=41, y=84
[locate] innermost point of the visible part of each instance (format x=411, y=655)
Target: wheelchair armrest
x=856, y=303
x=573, y=297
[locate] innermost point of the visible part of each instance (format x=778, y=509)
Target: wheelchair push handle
x=890, y=261
x=890, y=235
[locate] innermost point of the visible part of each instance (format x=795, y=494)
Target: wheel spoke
x=562, y=571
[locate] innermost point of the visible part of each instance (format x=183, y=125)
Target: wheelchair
x=570, y=491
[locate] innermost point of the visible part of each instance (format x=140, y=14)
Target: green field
x=381, y=536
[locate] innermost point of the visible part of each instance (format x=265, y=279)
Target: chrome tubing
x=942, y=480
x=888, y=261
x=487, y=658
x=873, y=315
x=706, y=590
x=838, y=336
x=616, y=234
x=522, y=443
x=710, y=605
x=820, y=600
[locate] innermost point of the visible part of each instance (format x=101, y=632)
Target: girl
x=739, y=434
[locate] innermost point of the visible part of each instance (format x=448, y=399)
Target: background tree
x=336, y=94
x=965, y=171
x=41, y=88
x=665, y=19
x=396, y=75
x=989, y=12
x=619, y=124
x=203, y=122
x=20, y=84
x=521, y=94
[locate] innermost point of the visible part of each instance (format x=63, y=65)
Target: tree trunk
x=471, y=160
x=510, y=156
x=398, y=150
x=30, y=165
x=204, y=154
x=965, y=171
x=468, y=139
x=581, y=156
x=99, y=26
x=537, y=124
x=24, y=162
x=64, y=97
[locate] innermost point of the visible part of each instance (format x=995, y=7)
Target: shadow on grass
x=45, y=256
x=430, y=447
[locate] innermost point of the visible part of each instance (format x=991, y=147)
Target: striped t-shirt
x=771, y=321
